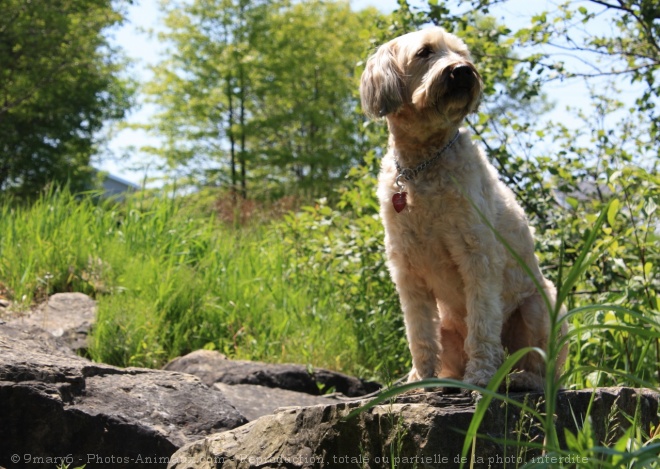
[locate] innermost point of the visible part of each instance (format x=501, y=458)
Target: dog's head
x=428, y=72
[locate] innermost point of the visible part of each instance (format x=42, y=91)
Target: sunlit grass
x=168, y=282
x=309, y=287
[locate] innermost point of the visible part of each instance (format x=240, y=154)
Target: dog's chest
x=419, y=245
x=421, y=230
x=420, y=236
x=432, y=207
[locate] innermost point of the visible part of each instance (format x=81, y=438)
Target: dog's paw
x=524, y=381
x=480, y=377
x=416, y=375
x=481, y=381
x=413, y=376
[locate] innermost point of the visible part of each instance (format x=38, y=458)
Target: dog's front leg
x=420, y=314
x=479, y=266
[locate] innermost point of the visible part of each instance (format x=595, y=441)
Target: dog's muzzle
x=461, y=78
x=452, y=88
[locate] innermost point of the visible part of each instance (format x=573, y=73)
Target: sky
x=144, y=51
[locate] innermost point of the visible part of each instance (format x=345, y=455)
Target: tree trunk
x=242, y=124
x=232, y=139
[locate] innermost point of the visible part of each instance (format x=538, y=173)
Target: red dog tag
x=399, y=201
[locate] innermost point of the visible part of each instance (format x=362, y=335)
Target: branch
x=605, y=74
x=609, y=5
x=599, y=73
x=494, y=153
x=622, y=7
x=601, y=52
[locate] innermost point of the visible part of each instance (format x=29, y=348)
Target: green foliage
x=624, y=273
x=343, y=247
x=305, y=97
x=261, y=91
x=169, y=279
x=59, y=84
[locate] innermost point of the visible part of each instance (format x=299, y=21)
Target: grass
x=169, y=279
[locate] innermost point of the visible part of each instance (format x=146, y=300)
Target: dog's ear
x=381, y=86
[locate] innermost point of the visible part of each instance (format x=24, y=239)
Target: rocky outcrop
x=424, y=430
x=69, y=316
x=255, y=401
x=54, y=404
x=213, y=367
x=57, y=407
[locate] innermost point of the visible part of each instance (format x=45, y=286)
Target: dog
x=466, y=300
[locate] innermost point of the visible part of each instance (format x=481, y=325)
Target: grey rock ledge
x=423, y=430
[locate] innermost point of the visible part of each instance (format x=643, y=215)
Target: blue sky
x=144, y=51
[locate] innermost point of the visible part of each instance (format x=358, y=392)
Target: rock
x=55, y=404
x=255, y=401
x=213, y=367
x=421, y=430
x=42, y=340
x=66, y=315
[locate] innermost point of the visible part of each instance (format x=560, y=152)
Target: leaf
x=571, y=440
x=572, y=201
x=612, y=211
x=650, y=207
x=648, y=267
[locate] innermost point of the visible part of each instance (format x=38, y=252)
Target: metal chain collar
x=409, y=174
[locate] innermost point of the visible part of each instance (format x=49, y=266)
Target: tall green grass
x=312, y=286
x=169, y=280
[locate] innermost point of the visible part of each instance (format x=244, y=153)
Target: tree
x=59, y=83
x=305, y=99
x=202, y=87
x=262, y=90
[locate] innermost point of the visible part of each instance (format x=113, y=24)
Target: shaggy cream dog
x=465, y=298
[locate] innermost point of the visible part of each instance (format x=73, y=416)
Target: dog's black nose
x=461, y=78
x=461, y=72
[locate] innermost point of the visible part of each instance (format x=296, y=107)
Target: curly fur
x=466, y=300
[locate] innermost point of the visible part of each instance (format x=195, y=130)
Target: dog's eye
x=424, y=52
